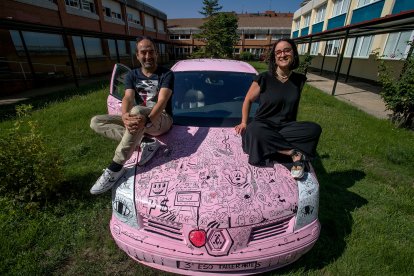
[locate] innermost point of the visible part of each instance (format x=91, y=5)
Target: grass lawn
x=364, y=167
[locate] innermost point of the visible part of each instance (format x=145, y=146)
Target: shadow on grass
x=335, y=207
x=8, y=111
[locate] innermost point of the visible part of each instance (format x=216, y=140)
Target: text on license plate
x=218, y=267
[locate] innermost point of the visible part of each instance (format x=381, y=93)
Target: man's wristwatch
x=148, y=122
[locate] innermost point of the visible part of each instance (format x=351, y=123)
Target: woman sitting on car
x=274, y=129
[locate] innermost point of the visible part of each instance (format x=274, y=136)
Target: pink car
x=197, y=207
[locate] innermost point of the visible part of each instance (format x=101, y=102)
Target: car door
x=117, y=89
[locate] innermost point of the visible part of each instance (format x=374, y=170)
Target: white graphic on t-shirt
x=147, y=89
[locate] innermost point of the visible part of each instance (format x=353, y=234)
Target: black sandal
x=298, y=169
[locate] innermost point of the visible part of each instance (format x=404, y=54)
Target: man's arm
x=132, y=122
x=163, y=97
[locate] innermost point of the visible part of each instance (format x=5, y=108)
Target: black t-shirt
x=147, y=88
x=278, y=101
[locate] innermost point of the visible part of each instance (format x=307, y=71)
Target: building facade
x=59, y=39
x=257, y=32
x=320, y=16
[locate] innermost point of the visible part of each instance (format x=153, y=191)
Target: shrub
x=30, y=171
x=305, y=61
x=246, y=56
x=398, y=93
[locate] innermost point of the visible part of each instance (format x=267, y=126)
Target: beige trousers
x=112, y=126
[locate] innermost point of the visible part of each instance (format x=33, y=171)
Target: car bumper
x=184, y=259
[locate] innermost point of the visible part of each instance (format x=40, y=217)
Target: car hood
x=200, y=176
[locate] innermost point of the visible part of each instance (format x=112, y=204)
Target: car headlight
x=308, y=202
x=123, y=205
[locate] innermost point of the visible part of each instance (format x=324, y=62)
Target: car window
x=210, y=98
x=118, y=81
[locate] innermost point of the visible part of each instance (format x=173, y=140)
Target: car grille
x=270, y=230
x=168, y=230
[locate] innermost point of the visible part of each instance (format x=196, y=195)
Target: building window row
x=86, y=5
x=396, y=47
x=44, y=43
x=180, y=36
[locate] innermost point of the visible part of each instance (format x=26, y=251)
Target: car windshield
x=210, y=98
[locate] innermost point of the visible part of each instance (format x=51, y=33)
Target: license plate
x=218, y=267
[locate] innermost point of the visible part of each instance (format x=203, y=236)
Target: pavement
x=360, y=94
x=363, y=95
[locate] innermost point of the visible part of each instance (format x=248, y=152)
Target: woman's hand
x=240, y=128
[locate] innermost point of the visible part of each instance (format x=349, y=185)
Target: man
x=150, y=87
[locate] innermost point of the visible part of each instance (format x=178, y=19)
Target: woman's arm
x=251, y=96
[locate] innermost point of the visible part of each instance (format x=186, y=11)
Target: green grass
x=364, y=167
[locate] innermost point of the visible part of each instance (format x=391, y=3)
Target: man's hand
x=133, y=123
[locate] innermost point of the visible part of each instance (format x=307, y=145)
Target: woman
x=274, y=129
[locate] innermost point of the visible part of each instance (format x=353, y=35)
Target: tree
x=211, y=7
x=219, y=33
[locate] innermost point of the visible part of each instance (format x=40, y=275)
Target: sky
x=190, y=8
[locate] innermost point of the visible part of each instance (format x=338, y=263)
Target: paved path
x=360, y=94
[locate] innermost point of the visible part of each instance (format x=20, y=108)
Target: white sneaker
x=149, y=147
x=106, y=181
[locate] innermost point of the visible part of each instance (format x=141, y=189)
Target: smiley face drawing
x=159, y=189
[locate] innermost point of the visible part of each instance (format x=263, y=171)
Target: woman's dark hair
x=272, y=57
x=141, y=38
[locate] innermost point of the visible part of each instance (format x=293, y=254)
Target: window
x=365, y=2
x=255, y=51
x=340, y=7
x=181, y=51
x=132, y=45
x=261, y=37
x=132, y=18
x=160, y=25
x=362, y=48
x=112, y=48
x=93, y=46
x=107, y=11
x=72, y=3
x=397, y=46
x=314, y=49
x=236, y=50
x=179, y=37
x=149, y=21
x=333, y=47
x=38, y=42
x=279, y=36
x=122, y=47
x=86, y=5
x=320, y=14
x=306, y=20
x=297, y=24
x=249, y=36
x=161, y=48
x=111, y=13
x=302, y=48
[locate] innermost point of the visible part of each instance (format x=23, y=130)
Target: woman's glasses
x=286, y=51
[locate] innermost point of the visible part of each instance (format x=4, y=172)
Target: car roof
x=224, y=65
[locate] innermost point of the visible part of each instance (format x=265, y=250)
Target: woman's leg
x=302, y=136
x=261, y=140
